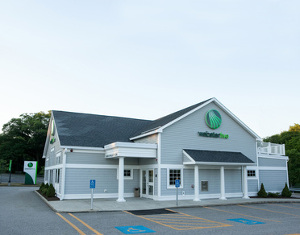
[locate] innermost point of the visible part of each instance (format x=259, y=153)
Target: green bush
x=44, y=189
x=273, y=194
x=42, y=186
x=262, y=192
x=286, y=192
x=50, y=191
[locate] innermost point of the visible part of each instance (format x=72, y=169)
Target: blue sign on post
x=177, y=183
x=92, y=183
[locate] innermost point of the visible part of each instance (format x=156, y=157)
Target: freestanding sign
x=177, y=185
x=92, y=186
x=30, y=169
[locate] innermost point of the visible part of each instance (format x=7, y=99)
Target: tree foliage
x=291, y=139
x=23, y=139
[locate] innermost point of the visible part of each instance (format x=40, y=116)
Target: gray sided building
x=205, y=146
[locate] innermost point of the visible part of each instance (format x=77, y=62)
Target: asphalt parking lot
x=23, y=212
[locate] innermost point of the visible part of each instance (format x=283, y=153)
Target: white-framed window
x=58, y=158
x=57, y=175
x=204, y=185
x=174, y=174
x=251, y=173
x=128, y=174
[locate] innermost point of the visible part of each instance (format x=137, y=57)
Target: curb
x=45, y=200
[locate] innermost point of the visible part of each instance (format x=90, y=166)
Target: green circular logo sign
x=30, y=164
x=213, y=119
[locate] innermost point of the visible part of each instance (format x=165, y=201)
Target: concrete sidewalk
x=84, y=205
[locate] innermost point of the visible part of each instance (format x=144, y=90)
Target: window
x=174, y=174
x=128, y=174
x=251, y=173
x=57, y=176
x=204, y=185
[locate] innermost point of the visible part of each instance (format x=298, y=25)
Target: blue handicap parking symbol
x=246, y=221
x=134, y=229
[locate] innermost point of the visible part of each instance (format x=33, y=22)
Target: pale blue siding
x=213, y=178
x=252, y=186
x=78, y=181
x=233, y=181
x=271, y=162
x=273, y=180
x=184, y=135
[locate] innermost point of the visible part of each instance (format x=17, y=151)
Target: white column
x=121, y=180
x=196, y=183
x=222, y=183
x=245, y=183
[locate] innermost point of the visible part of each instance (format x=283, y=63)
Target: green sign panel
x=213, y=119
x=30, y=169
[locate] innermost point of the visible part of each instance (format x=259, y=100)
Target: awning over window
x=205, y=157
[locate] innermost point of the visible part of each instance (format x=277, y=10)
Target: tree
x=291, y=139
x=23, y=139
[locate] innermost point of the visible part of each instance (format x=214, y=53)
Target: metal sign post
x=92, y=186
x=9, y=169
x=177, y=185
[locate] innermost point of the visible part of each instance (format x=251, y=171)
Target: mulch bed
x=48, y=198
x=277, y=197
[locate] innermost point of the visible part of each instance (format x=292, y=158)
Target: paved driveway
x=23, y=212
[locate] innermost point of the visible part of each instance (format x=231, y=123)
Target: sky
x=146, y=59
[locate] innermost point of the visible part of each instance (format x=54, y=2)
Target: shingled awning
x=206, y=157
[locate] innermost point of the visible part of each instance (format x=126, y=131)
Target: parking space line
x=269, y=210
x=182, y=221
x=242, y=214
x=71, y=224
x=288, y=206
x=85, y=224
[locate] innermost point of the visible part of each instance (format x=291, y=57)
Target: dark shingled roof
x=90, y=130
x=217, y=156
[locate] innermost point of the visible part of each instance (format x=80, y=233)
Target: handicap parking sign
x=177, y=183
x=92, y=183
x=134, y=229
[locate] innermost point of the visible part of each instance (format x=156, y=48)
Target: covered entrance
x=147, y=183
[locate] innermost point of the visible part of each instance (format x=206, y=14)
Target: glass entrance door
x=147, y=183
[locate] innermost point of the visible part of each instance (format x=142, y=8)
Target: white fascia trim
x=54, y=167
x=100, y=166
x=272, y=168
x=189, y=157
x=236, y=119
x=274, y=157
x=82, y=148
x=129, y=145
x=159, y=130
x=219, y=163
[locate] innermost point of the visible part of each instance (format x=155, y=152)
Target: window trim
x=251, y=176
x=126, y=177
x=168, y=177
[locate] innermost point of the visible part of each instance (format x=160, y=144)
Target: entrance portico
x=217, y=159
x=123, y=150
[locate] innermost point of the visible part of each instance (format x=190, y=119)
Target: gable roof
x=90, y=130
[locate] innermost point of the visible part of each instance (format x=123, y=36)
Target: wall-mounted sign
x=213, y=119
x=30, y=169
x=213, y=135
x=52, y=134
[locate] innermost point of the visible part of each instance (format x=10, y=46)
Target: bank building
x=211, y=151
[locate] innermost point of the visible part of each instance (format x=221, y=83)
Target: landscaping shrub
x=45, y=189
x=273, y=194
x=262, y=192
x=50, y=191
x=42, y=186
x=286, y=192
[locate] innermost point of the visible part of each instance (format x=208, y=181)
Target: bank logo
x=213, y=119
x=30, y=164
